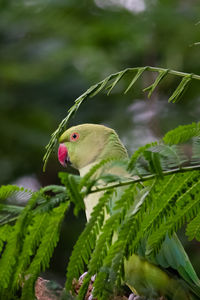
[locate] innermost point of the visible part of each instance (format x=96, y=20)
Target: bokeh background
x=51, y=51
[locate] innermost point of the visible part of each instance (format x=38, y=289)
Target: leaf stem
x=145, y=178
x=172, y=72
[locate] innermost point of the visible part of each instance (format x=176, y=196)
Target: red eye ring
x=74, y=136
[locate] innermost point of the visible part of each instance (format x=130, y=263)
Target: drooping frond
x=14, y=244
x=8, y=211
x=44, y=252
x=35, y=232
x=7, y=191
x=106, y=85
x=28, y=243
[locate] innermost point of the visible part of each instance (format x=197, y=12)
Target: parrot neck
x=87, y=168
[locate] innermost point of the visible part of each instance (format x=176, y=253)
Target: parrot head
x=85, y=144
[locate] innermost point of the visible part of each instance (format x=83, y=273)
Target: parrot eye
x=74, y=136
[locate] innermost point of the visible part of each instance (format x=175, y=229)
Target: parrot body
x=86, y=145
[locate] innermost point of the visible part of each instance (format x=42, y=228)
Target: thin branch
x=145, y=178
x=173, y=72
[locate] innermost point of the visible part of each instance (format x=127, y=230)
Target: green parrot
x=85, y=145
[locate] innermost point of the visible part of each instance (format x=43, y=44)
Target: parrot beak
x=63, y=155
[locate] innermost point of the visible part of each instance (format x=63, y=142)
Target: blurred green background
x=51, y=51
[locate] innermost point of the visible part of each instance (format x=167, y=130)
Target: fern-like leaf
x=87, y=240
x=182, y=134
x=138, y=153
x=159, y=78
x=45, y=250
x=34, y=235
x=14, y=244
x=193, y=229
x=104, y=242
x=184, y=202
x=5, y=232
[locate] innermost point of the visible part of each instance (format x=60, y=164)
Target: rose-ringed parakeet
x=86, y=145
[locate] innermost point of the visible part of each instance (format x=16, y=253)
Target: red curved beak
x=63, y=155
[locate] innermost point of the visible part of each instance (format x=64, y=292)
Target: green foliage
x=28, y=235
x=10, y=212
x=138, y=212
x=193, y=229
x=14, y=244
x=129, y=212
x=182, y=134
x=27, y=244
x=44, y=252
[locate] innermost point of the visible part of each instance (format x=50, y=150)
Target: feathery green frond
x=14, y=244
x=182, y=133
x=34, y=235
x=154, y=162
x=5, y=232
x=7, y=191
x=45, y=250
x=183, y=206
x=103, y=245
x=172, y=156
x=28, y=244
x=193, y=229
x=8, y=211
x=46, y=203
x=111, y=271
x=138, y=153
